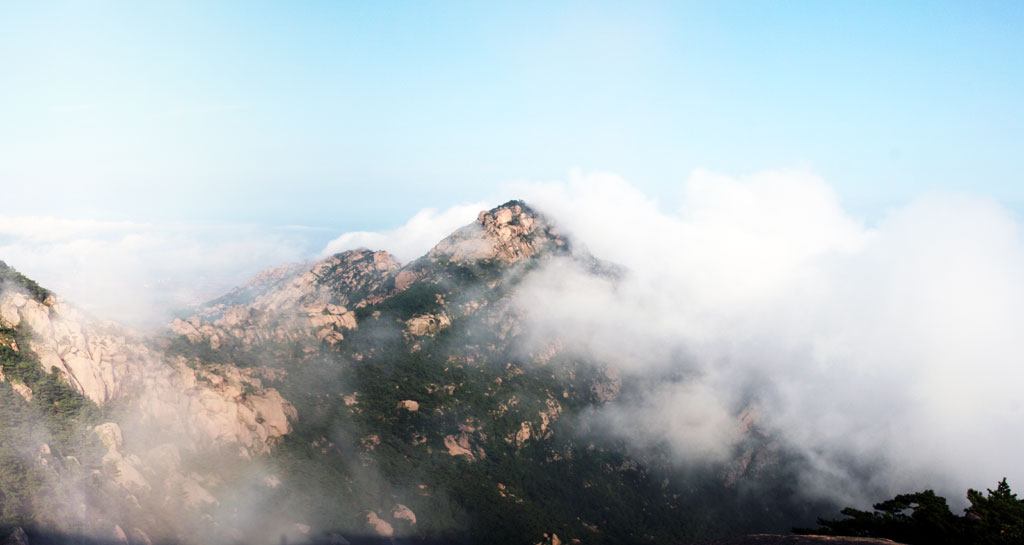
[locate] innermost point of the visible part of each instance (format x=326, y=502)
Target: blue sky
x=356, y=115
x=154, y=154
x=830, y=191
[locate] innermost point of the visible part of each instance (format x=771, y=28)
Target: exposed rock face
x=427, y=324
x=757, y=453
x=409, y=405
x=24, y=391
x=401, y=512
x=162, y=406
x=550, y=539
x=223, y=404
x=608, y=390
x=293, y=303
x=458, y=446
x=509, y=233
x=106, y=362
x=126, y=471
x=379, y=525
x=523, y=434
x=535, y=430
x=343, y=324
x=96, y=358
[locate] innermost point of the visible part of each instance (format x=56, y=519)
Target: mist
x=143, y=274
x=412, y=239
x=887, y=355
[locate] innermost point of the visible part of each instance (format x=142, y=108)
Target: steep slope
x=292, y=303
x=435, y=378
x=96, y=400
x=355, y=397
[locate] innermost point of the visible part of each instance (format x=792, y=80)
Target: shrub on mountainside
x=9, y=274
x=925, y=518
x=39, y=438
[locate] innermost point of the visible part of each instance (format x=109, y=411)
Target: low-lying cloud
x=142, y=274
x=414, y=238
x=139, y=273
x=894, y=347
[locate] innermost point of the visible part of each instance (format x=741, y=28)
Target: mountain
x=354, y=398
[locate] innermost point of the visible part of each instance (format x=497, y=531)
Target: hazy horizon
x=260, y=132
x=816, y=206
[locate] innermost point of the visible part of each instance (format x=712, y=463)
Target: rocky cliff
x=353, y=396
x=108, y=363
x=293, y=303
x=158, y=410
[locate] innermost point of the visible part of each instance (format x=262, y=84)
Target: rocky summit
x=353, y=399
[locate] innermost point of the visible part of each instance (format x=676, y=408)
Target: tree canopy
x=924, y=518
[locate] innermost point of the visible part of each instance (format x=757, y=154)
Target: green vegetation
x=471, y=380
x=355, y=448
x=46, y=450
x=8, y=274
x=418, y=298
x=64, y=411
x=924, y=518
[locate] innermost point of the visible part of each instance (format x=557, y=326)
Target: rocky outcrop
x=409, y=405
x=427, y=324
x=509, y=233
x=401, y=512
x=99, y=359
x=379, y=526
x=536, y=430
x=755, y=454
x=293, y=303
x=219, y=405
x=162, y=410
x=458, y=445
x=24, y=391
x=126, y=471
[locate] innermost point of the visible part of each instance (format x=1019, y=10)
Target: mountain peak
x=510, y=232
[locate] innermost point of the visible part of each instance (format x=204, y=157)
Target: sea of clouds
x=887, y=354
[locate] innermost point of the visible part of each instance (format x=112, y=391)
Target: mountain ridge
x=349, y=395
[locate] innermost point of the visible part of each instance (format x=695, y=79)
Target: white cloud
x=897, y=345
x=413, y=239
x=142, y=273
x=139, y=273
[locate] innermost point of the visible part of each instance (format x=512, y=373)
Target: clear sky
x=131, y=126
x=354, y=115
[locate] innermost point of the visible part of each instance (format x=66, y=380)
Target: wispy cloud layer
x=140, y=273
x=893, y=347
x=412, y=239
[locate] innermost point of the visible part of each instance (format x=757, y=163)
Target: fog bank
x=888, y=355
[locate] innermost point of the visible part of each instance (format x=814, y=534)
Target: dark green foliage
x=924, y=518
x=341, y=459
x=8, y=274
x=37, y=487
x=200, y=351
x=64, y=411
x=575, y=486
x=418, y=298
x=997, y=518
